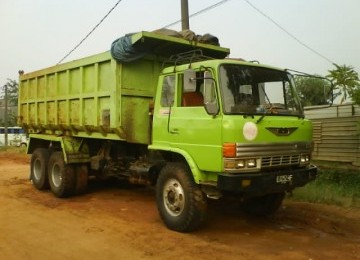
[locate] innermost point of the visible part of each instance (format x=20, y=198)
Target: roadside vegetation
x=336, y=184
x=13, y=153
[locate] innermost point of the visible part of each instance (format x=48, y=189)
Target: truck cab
x=238, y=126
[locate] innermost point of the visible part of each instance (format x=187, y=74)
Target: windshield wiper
x=260, y=119
x=269, y=103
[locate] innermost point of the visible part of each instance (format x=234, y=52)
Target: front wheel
x=61, y=176
x=180, y=201
x=263, y=206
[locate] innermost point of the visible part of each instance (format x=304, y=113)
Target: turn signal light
x=229, y=150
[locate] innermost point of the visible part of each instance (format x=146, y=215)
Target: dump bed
x=97, y=97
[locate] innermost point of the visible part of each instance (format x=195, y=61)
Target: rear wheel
x=61, y=176
x=38, y=168
x=263, y=206
x=180, y=201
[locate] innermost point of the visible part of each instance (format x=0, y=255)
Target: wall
x=336, y=132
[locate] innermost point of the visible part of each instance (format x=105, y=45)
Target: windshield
x=257, y=90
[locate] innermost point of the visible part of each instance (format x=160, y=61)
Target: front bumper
x=257, y=184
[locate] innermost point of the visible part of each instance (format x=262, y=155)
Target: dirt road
x=116, y=221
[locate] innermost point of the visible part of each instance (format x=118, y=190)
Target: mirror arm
x=303, y=74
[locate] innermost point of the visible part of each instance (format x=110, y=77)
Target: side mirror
x=210, y=97
x=189, y=80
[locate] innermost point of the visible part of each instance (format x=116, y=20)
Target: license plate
x=284, y=178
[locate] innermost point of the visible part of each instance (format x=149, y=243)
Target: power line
x=288, y=33
x=199, y=12
x=95, y=27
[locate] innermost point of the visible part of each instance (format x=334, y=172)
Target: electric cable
x=95, y=27
x=288, y=33
x=198, y=12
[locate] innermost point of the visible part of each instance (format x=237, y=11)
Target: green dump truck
x=181, y=116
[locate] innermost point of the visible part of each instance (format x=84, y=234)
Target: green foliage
x=12, y=91
x=346, y=80
x=332, y=186
x=350, y=181
x=12, y=96
x=13, y=150
x=11, y=120
x=355, y=95
x=313, y=91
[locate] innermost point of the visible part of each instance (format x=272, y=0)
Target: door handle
x=174, y=131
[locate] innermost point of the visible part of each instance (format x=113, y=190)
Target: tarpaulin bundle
x=122, y=50
x=190, y=36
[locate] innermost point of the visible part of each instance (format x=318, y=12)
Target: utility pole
x=185, y=15
x=6, y=117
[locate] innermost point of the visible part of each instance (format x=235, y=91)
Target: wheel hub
x=37, y=169
x=173, y=196
x=56, y=175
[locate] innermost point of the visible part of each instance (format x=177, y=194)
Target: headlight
x=251, y=163
x=239, y=164
x=305, y=158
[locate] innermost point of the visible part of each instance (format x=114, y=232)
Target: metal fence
x=336, y=132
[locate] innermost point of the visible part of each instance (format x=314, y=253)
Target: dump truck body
x=94, y=97
x=97, y=97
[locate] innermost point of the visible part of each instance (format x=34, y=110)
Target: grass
x=336, y=184
x=13, y=149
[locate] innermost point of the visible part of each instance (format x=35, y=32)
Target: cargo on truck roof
x=162, y=43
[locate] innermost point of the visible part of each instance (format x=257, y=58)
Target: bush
x=332, y=186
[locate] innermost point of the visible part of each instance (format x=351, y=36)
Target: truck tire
x=263, y=206
x=38, y=168
x=81, y=176
x=61, y=176
x=180, y=201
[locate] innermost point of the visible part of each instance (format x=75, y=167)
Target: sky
x=37, y=34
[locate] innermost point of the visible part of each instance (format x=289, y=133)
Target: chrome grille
x=280, y=160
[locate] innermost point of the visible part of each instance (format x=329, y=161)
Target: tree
x=346, y=81
x=11, y=120
x=313, y=91
x=12, y=97
x=12, y=92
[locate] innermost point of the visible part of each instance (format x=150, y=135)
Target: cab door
x=192, y=128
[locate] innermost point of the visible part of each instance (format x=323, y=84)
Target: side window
x=168, y=91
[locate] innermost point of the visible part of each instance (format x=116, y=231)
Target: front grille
x=280, y=160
